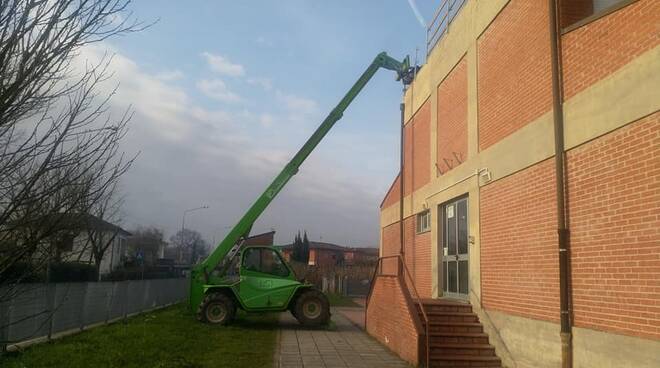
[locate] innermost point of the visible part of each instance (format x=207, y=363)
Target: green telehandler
x=257, y=278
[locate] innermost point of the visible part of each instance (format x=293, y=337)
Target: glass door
x=455, y=268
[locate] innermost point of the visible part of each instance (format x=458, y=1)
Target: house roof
x=260, y=235
x=80, y=221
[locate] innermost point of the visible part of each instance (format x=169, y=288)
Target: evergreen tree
x=297, y=253
x=305, y=249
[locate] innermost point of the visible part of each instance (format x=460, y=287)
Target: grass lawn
x=168, y=338
x=337, y=300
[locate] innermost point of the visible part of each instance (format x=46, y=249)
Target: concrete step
x=450, y=349
x=464, y=361
x=439, y=305
x=459, y=337
x=451, y=316
x=442, y=326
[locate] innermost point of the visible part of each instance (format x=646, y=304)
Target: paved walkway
x=342, y=345
x=353, y=314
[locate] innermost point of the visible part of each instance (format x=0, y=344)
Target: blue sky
x=226, y=92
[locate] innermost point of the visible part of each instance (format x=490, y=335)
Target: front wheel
x=312, y=308
x=217, y=309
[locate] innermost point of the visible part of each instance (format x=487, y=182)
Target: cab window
x=264, y=260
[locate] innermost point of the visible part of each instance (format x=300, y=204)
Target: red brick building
x=481, y=251
x=328, y=254
x=261, y=239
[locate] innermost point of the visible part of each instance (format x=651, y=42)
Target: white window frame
x=423, y=222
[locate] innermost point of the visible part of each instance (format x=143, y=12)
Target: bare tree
x=101, y=223
x=59, y=144
x=189, y=245
x=149, y=241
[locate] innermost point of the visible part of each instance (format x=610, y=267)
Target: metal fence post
x=146, y=296
x=5, y=320
x=113, y=286
x=81, y=313
x=51, y=292
x=125, y=309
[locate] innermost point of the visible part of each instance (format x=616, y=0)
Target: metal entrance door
x=455, y=268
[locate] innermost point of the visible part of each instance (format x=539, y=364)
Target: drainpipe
x=562, y=228
x=401, y=179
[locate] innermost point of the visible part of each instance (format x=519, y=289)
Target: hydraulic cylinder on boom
x=209, y=282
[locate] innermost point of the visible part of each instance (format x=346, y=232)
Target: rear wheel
x=217, y=308
x=312, y=308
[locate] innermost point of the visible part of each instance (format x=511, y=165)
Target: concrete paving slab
x=343, y=345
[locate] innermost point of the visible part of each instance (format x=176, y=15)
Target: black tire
x=217, y=309
x=312, y=308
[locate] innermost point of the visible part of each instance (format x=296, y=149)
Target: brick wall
x=421, y=151
x=409, y=242
x=390, y=246
x=408, y=158
x=416, y=155
x=519, y=262
x=417, y=248
x=392, y=195
x=391, y=239
x=389, y=319
x=614, y=212
x=452, y=118
x=422, y=263
x=592, y=52
x=416, y=150
x=514, y=70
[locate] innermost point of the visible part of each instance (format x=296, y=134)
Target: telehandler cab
x=257, y=278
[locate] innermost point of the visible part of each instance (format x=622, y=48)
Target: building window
x=424, y=221
x=64, y=243
x=575, y=13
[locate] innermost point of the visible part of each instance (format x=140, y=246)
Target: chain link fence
x=43, y=310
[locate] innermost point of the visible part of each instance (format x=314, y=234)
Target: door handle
x=456, y=257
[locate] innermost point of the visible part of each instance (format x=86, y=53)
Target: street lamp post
x=183, y=227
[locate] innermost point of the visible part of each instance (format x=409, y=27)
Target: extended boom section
x=231, y=244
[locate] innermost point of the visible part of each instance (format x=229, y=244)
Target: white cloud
x=162, y=104
x=170, y=75
x=264, y=83
x=261, y=40
x=297, y=104
x=218, y=90
x=222, y=65
x=266, y=120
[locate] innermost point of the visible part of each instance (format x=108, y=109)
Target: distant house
x=74, y=242
x=328, y=254
x=360, y=255
x=261, y=239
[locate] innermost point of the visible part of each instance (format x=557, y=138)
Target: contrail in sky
x=418, y=15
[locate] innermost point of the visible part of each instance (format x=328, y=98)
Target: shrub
x=72, y=272
x=22, y=272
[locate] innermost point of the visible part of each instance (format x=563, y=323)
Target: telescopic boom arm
x=231, y=243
